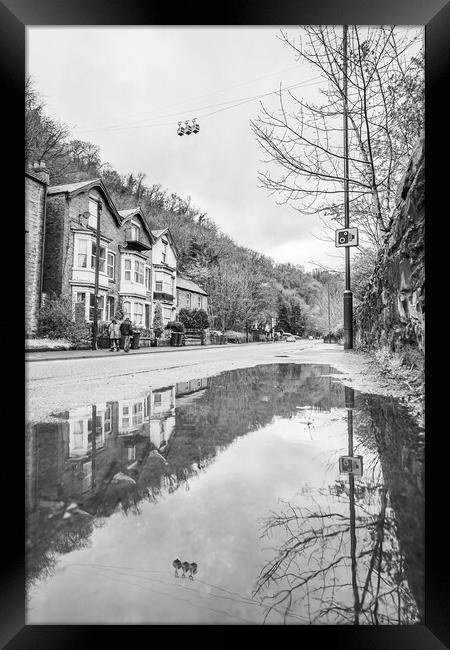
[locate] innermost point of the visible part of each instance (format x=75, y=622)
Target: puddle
x=244, y=475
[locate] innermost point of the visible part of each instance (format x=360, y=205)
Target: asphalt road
x=56, y=385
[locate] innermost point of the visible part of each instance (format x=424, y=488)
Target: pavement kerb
x=59, y=355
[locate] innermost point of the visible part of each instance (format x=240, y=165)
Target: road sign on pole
x=346, y=237
x=351, y=465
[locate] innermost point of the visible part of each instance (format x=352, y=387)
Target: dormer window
x=164, y=252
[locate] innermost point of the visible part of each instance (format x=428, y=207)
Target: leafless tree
x=385, y=116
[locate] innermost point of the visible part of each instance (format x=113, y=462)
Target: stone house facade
x=125, y=252
x=36, y=183
x=190, y=295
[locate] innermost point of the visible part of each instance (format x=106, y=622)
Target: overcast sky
x=126, y=88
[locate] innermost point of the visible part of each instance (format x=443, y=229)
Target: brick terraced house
x=70, y=248
x=36, y=182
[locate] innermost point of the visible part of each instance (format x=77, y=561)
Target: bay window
x=111, y=265
x=128, y=270
x=82, y=253
x=138, y=272
x=102, y=257
x=138, y=313
x=127, y=309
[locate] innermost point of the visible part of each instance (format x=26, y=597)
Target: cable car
x=188, y=128
x=195, y=127
x=180, y=129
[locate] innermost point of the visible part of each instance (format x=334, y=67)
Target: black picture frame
x=15, y=16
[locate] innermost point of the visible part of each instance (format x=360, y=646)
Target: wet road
x=59, y=384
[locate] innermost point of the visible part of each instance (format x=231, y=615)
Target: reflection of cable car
x=188, y=128
x=180, y=129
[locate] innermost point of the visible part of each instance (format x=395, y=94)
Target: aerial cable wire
x=222, y=107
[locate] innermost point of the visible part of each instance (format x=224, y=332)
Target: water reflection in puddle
x=246, y=476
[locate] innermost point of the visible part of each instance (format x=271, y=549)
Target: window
x=82, y=247
x=111, y=265
x=102, y=257
x=164, y=252
x=158, y=399
x=135, y=232
x=100, y=306
x=138, y=313
x=93, y=208
x=147, y=316
x=148, y=279
x=137, y=414
x=125, y=418
x=127, y=309
x=108, y=420
x=159, y=285
x=131, y=453
x=199, y=302
x=139, y=272
x=81, y=297
x=128, y=270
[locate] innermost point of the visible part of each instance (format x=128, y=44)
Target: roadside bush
x=194, y=319
x=55, y=321
x=175, y=326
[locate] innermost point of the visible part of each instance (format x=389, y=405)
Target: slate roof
x=70, y=187
x=188, y=285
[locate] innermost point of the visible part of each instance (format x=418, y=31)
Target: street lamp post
x=97, y=269
x=348, y=296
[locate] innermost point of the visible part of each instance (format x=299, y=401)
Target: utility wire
x=214, y=92
x=224, y=106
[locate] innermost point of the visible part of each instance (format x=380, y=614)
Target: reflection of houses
x=190, y=295
x=162, y=421
x=186, y=391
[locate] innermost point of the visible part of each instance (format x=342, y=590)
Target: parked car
x=290, y=338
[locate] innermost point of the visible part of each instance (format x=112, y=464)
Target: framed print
x=203, y=446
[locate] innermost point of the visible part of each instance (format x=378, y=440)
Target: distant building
x=164, y=263
x=190, y=295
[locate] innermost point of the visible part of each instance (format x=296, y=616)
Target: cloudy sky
x=126, y=88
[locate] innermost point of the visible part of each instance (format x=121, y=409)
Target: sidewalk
x=59, y=355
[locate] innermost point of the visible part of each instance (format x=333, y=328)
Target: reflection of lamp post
x=97, y=269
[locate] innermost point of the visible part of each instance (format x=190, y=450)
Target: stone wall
x=392, y=311
x=34, y=232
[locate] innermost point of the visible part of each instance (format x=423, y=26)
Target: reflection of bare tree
x=334, y=567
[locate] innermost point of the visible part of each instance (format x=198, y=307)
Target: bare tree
x=385, y=115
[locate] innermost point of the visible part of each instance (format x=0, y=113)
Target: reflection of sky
x=215, y=523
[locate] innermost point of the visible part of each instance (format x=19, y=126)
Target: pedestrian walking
x=126, y=329
x=114, y=335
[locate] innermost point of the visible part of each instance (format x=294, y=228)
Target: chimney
x=41, y=172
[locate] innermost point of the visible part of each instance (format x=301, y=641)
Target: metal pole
x=97, y=270
x=348, y=296
x=329, y=321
